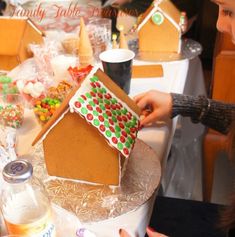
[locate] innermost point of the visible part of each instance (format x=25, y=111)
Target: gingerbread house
x=16, y=33
x=92, y=134
x=159, y=28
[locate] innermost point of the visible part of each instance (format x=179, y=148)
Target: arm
x=157, y=105
x=212, y=113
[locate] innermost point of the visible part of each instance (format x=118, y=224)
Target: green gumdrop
x=5, y=79
x=158, y=18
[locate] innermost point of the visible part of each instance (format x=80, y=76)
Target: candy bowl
x=45, y=108
x=11, y=110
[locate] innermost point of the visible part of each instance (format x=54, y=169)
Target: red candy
x=107, y=106
x=121, y=125
x=133, y=130
x=124, y=118
x=93, y=84
x=83, y=96
x=98, y=109
x=124, y=133
x=108, y=96
x=101, y=118
x=89, y=117
x=119, y=118
x=100, y=95
x=77, y=105
x=112, y=129
x=89, y=107
x=108, y=113
x=113, y=107
x=93, y=94
x=102, y=128
x=111, y=121
x=122, y=139
x=96, y=101
x=98, y=84
x=126, y=152
x=79, y=74
x=114, y=140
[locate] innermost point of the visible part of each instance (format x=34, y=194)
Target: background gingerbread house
x=159, y=28
x=16, y=33
x=92, y=133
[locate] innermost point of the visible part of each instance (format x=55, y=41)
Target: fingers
x=152, y=233
x=138, y=97
x=149, y=119
x=123, y=233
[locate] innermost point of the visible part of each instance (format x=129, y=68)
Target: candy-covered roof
x=104, y=106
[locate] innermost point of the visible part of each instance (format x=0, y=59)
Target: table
x=180, y=77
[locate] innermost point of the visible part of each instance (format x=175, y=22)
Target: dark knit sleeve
x=214, y=114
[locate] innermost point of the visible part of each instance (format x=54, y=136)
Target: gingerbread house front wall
x=164, y=38
x=74, y=149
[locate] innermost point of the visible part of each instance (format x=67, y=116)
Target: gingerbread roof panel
x=112, y=118
x=166, y=8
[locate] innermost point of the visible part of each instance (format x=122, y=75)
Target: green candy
x=106, y=101
x=127, y=130
x=120, y=146
x=130, y=140
x=108, y=133
x=118, y=112
x=100, y=100
x=84, y=111
x=105, y=116
x=117, y=128
x=88, y=95
x=117, y=134
x=158, y=18
x=91, y=103
x=114, y=101
x=5, y=79
x=103, y=90
x=114, y=112
x=96, y=122
x=94, y=90
x=95, y=113
x=106, y=124
x=114, y=119
x=127, y=144
x=81, y=100
x=94, y=79
x=124, y=111
x=102, y=107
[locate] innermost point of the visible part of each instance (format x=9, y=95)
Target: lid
x=17, y=171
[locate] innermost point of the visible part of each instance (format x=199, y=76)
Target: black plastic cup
x=117, y=64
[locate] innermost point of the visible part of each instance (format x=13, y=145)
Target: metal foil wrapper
x=92, y=203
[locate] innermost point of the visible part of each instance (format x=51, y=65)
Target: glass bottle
x=25, y=205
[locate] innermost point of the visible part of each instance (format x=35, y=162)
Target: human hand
x=155, y=105
x=150, y=232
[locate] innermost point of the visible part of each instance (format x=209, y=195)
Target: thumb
x=152, y=233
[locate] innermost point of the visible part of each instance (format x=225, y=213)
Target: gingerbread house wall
x=164, y=38
x=74, y=149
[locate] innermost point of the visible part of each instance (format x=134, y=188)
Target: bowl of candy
x=45, y=108
x=11, y=110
